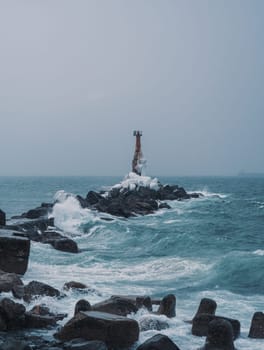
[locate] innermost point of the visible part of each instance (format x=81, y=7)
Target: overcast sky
x=78, y=76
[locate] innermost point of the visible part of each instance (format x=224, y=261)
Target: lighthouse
x=138, y=162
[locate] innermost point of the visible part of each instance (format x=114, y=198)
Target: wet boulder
x=14, y=344
x=115, y=331
x=14, y=252
x=139, y=301
x=66, y=245
x=220, y=336
x=257, y=326
x=201, y=323
x=35, y=288
x=2, y=218
x=31, y=229
x=167, y=306
x=74, y=285
x=57, y=240
x=116, y=305
x=9, y=281
x=13, y=314
x=38, y=212
x=207, y=306
x=82, y=344
x=93, y=197
x=82, y=305
x=158, y=342
x=41, y=317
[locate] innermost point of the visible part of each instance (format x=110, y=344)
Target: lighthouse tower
x=138, y=162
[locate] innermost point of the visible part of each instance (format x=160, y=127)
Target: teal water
x=209, y=247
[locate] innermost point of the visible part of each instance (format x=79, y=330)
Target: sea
x=209, y=247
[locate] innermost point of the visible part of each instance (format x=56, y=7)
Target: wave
x=69, y=216
x=259, y=252
x=207, y=194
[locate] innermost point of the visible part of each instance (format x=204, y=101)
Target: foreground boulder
x=82, y=344
x=14, y=252
x=158, y=342
x=35, y=288
x=9, y=282
x=220, y=336
x=12, y=315
x=138, y=300
x=257, y=326
x=74, y=285
x=207, y=306
x=41, y=317
x=115, y=331
x=82, y=305
x=116, y=305
x=200, y=325
x=2, y=218
x=167, y=306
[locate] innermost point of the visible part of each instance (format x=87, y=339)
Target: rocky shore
x=109, y=324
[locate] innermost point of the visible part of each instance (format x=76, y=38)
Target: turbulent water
x=209, y=247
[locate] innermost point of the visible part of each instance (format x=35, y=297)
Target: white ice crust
x=132, y=181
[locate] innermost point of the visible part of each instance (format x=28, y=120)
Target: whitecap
x=259, y=252
x=207, y=194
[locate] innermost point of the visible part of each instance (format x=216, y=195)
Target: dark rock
x=38, y=231
x=140, y=201
x=115, y=331
x=43, y=310
x=39, y=321
x=138, y=300
x=31, y=229
x=12, y=313
x=116, y=305
x=3, y=325
x=220, y=336
x=57, y=240
x=164, y=205
x=65, y=245
x=158, y=342
x=74, y=285
x=82, y=201
x=150, y=323
x=82, y=305
x=14, y=252
x=35, y=288
x=15, y=345
x=82, y=344
x=18, y=291
x=257, y=326
x=201, y=323
x=38, y=212
x=167, y=306
x=207, y=306
x=93, y=197
x=49, y=236
x=41, y=317
x=9, y=281
x=2, y=218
